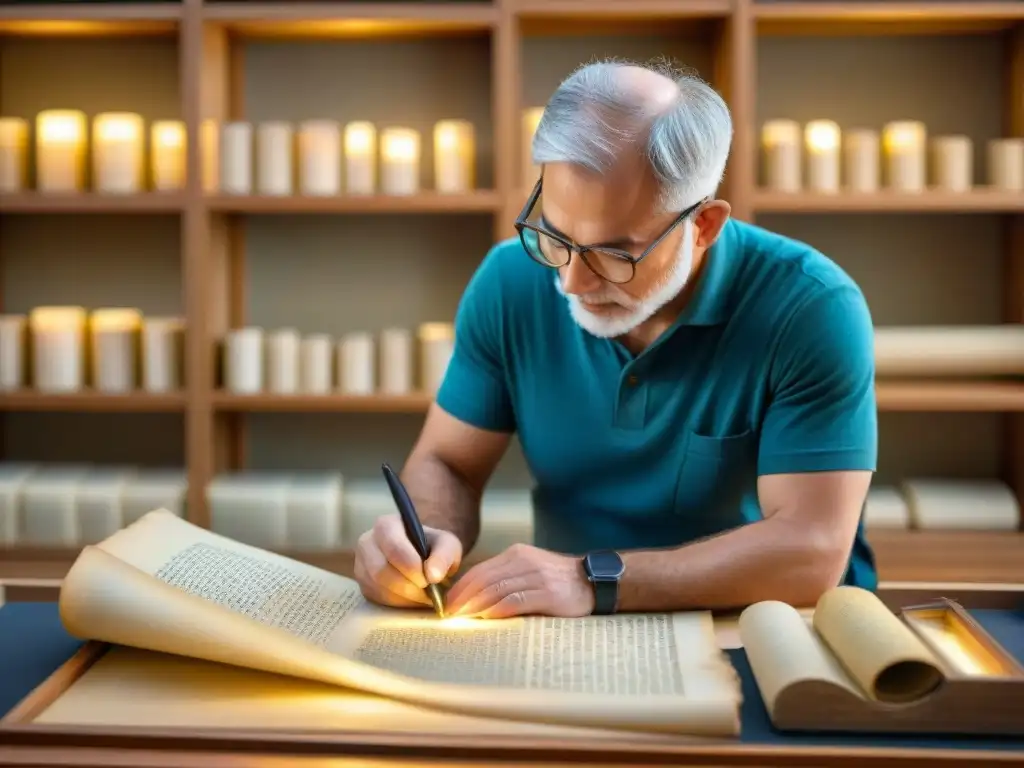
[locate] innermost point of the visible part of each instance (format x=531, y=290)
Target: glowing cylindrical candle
x=400, y=161
x=396, y=361
x=437, y=342
x=163, y=346
x=209, y=145
x=862, y=161
x=953, y=158
x=236, y=159
x=243, y=364
x=13, y=154
x=360, y=158
x=454, y=156
x=168, y=145
x=781, y=145
x=355, y=364
x=1005, y=164
x=822, y=138
x=12, y=352
x=531, y=119
x=320, y=157
x=274, y=142
x=283, y=361
x=115, y=341
x=906, y=162
x=60, y=151
x=58, y=348
x=118, y=153
x=315, y=364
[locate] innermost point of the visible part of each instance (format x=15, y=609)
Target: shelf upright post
x=1014, y=266
x=506, y=106
x=735, y=77
x=199, y=370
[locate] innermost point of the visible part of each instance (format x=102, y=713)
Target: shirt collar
x=710, y=303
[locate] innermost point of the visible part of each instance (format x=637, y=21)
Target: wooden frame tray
x=26, y=742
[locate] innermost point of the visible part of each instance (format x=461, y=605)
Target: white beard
x=638, y=310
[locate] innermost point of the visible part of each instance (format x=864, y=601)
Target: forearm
x=442, y=498
x=772, y=559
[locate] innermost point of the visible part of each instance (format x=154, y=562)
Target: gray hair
x=592, y=118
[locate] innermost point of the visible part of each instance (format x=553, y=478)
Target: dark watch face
x=605, y=565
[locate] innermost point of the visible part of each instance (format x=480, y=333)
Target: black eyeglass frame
x=570, y=248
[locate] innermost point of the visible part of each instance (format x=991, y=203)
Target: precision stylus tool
x=413, y=529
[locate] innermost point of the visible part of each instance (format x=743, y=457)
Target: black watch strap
x=606, y=597
x=604, y=570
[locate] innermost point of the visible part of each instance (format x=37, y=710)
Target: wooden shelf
x=89, y=202
x=617, y=9
x=915, y=556
x=978, y=201
x=415, y=403
x=988, y=556
x=882, y=17
x=136, y=402
x=352, y=20
x=891, y=395
x=950, y=396
x=483, y=201
x=90, y=19
x=210, y=39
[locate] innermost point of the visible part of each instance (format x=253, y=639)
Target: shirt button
x=633, y=381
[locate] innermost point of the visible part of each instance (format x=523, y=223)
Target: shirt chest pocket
x=714, y=475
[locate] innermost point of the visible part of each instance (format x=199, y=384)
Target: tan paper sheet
x=142, y=689
x=165, y=585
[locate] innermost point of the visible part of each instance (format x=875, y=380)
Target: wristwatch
x=604, y=570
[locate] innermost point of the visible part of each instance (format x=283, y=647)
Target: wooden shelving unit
x=211, y=39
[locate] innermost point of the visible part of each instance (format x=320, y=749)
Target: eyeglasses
x=555, y=251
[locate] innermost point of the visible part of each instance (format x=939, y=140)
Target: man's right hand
x=389, y=570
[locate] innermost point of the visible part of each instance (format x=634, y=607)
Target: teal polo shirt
x=769, y=370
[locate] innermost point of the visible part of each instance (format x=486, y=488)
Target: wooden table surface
x=355, y=751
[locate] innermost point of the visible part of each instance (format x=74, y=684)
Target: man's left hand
x=523, y=580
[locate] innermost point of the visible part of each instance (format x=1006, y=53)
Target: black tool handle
x=406, y=510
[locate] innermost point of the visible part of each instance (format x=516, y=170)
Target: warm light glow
x=531, y=119
x=903, y=134
x=360, y=138
x=61, y=126
x=115, y=319
x=209, y=144
x=821, y=136
x=167, y=154
x=453, y=134
x=168, y=134
x=426, y=620
x=776, y=132
x=13, y=154
x=117, y=128
x=118, y=152
x=429, y=332
x=13, y=132
x=57, y=318
x=400, y=145
x=453, y=155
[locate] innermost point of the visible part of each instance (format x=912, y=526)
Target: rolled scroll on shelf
x=988, y=505
x=506, y=516
x=277, y=510
x=68, y=505
x=887, y=508
x=950, y=351
x=937, y=504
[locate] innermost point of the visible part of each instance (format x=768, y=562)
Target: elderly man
x=694, y=395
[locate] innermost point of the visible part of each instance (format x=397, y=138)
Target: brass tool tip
x=435, y=597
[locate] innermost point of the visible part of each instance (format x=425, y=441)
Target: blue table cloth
x=33, y=644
